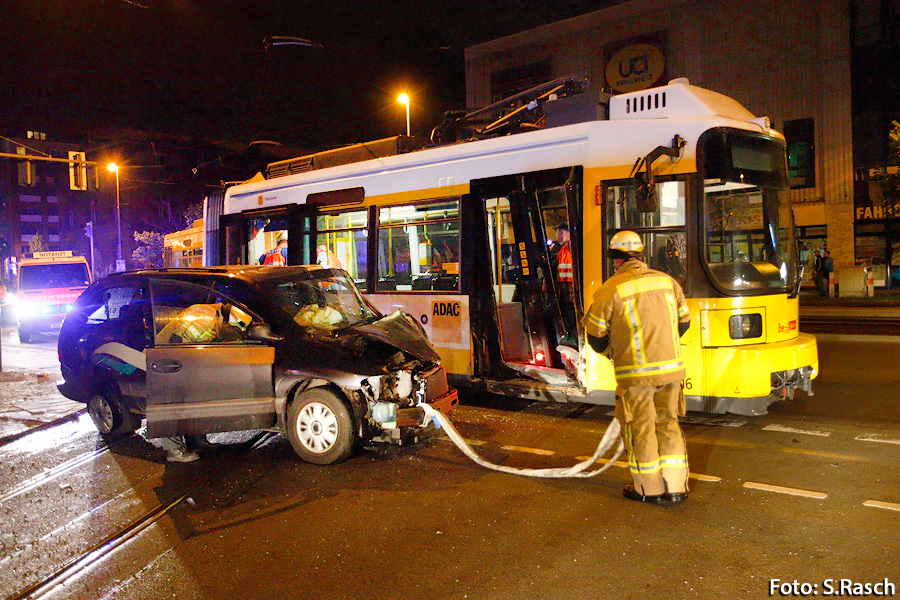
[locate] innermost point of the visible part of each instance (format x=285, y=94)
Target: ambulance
x=48, y=285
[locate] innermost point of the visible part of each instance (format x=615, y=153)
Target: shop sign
x=871, y=213
x=635, y=67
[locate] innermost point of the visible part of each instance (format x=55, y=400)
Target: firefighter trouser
x=657, y=454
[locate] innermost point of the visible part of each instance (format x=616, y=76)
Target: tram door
x=269, y=237
x=520, y=226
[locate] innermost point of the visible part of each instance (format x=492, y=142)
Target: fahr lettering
x=446, y=309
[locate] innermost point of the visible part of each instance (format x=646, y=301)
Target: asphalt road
x=40, y=354
x=808, y=494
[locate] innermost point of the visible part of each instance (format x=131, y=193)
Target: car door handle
x=165, y=366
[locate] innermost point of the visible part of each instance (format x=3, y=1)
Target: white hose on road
x=577, y=470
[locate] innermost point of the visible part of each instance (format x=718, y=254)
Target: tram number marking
x=687, y=384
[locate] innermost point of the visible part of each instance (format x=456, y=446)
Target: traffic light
x=27, y=177
x=77, y=171
x=89, y=229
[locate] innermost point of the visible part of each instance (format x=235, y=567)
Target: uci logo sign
x=635, y=67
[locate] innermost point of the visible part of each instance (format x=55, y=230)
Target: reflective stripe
x=634, y=325
x=564, y=273
x=629, y=444
x=673, y=308
x=669, y=461
x=637, y=371
x=643, y=284
x=645, y=468
x=601, y=323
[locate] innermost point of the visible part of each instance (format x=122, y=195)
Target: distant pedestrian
x=827, y=268
x=819, y=274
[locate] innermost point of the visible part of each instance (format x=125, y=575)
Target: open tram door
x=520, y=216
x=275, y=236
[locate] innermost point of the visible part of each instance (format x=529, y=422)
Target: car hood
x=401, y=331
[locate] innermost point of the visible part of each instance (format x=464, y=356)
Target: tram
x=460, y=235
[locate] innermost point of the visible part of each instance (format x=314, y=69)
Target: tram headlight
x=742, y=327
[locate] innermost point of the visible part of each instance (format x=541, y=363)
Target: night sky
x=200, y=69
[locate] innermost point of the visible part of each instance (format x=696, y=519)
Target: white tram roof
x=638, y=122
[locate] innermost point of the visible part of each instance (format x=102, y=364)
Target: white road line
x=537, y=451
x=783, y=429
x=876, y=437
x=624, y=465
x=785, y=490
x=879, y=504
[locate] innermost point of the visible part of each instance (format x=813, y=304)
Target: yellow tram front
x=737, y=259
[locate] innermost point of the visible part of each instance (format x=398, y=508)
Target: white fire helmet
x=627, y=241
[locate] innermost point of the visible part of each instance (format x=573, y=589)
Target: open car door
x=204, y=373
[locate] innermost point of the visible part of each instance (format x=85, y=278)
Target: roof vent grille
x=645, y=102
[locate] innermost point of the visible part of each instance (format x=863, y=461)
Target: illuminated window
x=342, y=242
x=418, y=247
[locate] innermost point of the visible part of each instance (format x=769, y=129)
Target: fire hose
x=610, y=437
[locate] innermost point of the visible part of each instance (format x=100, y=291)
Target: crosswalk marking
x=876, y=437
x=880, y=504
x=783, y=429
x=785, y=490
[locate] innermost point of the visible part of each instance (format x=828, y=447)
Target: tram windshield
x=748, y=239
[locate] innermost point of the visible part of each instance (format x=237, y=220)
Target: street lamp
x=115, y=169
x=404, y=99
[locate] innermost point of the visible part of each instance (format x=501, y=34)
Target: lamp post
x=404, y=99
x=115, y=169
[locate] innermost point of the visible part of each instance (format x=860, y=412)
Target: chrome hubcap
x=317, y=427
x=101, y=414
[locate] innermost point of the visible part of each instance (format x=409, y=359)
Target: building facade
x=789, y=60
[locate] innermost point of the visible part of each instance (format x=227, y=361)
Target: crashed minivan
x=206, y=350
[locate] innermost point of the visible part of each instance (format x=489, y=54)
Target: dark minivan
x=234, y=348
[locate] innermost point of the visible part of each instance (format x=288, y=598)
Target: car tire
x=109, y=414
x=319, y=427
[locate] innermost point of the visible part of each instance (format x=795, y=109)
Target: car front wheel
x=319, y=427
x=109, y=414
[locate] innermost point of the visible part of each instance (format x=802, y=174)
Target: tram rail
x=95, y=553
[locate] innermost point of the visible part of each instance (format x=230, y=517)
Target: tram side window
x=342, y=242
x=622, y=211
x=267, y=241
x=418, y=247
x=663, y=231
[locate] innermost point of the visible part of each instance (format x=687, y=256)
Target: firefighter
x=565, y=284
x=639, y=314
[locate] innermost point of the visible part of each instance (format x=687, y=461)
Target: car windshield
x=53, y=275
x=324, y=303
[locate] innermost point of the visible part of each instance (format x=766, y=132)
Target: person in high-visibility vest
x=277, y=256
x=565, y=282
x=639, y=314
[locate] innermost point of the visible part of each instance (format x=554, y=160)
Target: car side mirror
x=263, y=333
